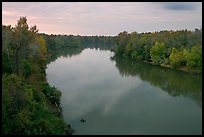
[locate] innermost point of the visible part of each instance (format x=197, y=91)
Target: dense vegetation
x=30, y=106
x=180, y=49
x=63, y=45
x=176, y=49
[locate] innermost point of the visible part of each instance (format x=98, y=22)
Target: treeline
x=176, y=49
x=180, y=49
x=71, y=45
x=29, y=105
x=55, y=42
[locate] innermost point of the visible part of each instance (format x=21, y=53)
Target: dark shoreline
x=183, y=69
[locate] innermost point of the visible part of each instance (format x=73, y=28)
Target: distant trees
x=57, y=42
x=175, y=48
x=71, y=45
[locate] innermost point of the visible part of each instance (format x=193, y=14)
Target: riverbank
x=31, y=107
x=183, y=68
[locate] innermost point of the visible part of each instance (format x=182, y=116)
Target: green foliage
x=157, y=52
x=24, y=114
x=134, y=38
x=146, y=53
x=6, y=67
x=119, y=51
x=163, y=48
x=42, y=49
x=21, y=37
x=128, y=49
x=26, y=110
x=179, y=58
x=26, y=68
x=195, y=58
x=45, y=122
x=122, y=38
x=17, y=105
x=165, y=61
x=52, y=94
x=176, y=57
x=136, y=55
x=123, y=48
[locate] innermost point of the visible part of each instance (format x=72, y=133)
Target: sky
x=104, y=18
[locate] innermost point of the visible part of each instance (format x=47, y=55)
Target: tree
x=26, y=68
x=146, y=53
x=175, y=58
x=194, y=59
x=133, y=39
x=128, y=49
x=158, y=52
x=7, y=66
x=42, y=49
x=121, y=40
x=21, y=38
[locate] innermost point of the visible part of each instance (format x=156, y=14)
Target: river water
x=123, y=97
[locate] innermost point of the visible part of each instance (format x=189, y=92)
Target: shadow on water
x=69, y=52
x=176, y=83
x=65, y=52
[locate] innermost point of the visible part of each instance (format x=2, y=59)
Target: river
x=123, y=97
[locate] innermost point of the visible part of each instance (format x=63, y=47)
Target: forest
x=180, y=49
x=31, y=106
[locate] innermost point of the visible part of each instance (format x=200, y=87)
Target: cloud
x=180, y=5
x=104, y=18
x=7, y=13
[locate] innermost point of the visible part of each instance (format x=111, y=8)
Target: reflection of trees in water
x=176, y=83
x=67, y=51
x=69, y=45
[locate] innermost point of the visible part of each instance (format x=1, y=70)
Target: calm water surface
x=124, y=97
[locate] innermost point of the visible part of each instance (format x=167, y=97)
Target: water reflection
x=176, y=83
x=69, y=52
x=125, y=97
x=64, y=52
